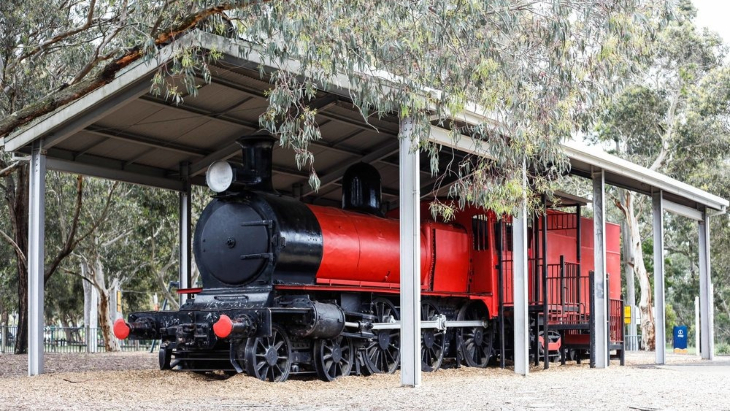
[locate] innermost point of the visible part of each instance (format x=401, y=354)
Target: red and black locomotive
x=290, y=287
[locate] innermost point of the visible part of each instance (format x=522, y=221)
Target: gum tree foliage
x=62, y=238
x=122, y=253
x=52, y=52
x=532, y=67
x=535, y=69
x=673, y=120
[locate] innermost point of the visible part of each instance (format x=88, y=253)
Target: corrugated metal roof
x=122, y=131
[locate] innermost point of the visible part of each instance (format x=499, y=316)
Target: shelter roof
x=121, y=131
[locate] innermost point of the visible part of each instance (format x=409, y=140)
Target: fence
x=70, y=340
x=633, y=342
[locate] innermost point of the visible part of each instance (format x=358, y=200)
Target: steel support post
x=630, y=293
x=184, y=214
x=519, y=284
x=410, y=256
x=705, y=289
x=545, y=324
x=660, y=332
x=599, y=261
x=712, y=320
x=36, y=252
x=697, y=326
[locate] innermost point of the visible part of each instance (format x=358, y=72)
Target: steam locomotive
x=289, y=287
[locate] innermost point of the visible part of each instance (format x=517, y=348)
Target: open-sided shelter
x=123, y=132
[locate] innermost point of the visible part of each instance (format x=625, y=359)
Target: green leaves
x=535, y=71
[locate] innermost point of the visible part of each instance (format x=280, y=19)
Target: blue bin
x=680, y=338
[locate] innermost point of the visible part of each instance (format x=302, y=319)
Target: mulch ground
x=131, y=381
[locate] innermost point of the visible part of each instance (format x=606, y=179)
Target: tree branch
x=20, y=253
x=59, y=37
x=153, y=31
x=9, y=169
x=103, y=216
x=91, y=64
x=664, y=152
x=69, y=244
x=108, y=73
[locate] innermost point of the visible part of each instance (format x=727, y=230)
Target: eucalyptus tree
x=158, y=235
x=673, y=120
x=532, y=70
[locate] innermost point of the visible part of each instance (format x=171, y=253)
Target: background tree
x=672, y=120
x=535, y=68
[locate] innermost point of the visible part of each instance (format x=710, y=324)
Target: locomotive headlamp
x=220, y=176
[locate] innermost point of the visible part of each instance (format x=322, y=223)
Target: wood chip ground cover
x=131, y=381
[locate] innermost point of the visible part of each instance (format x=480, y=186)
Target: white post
x=659, y=311
x=631, y=343
x=712, y=321
x=410, y=256
x=705, y=288
x=697, y=326
x=519, y=284
x=185, y=213
x=599, y=279
x=36, y=252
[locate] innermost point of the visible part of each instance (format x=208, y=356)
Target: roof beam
x=246, y=124
x=146, y=141
x=97, y=112
x=129, y=84
x=133, y=177
x=359, y=124
x=682, y=210
x=347, y=136
x=339, y=170
x=289, y=171
x=219, y=155
x=619, y=172
x=333, y=100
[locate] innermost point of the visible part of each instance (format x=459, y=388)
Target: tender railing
x=69, y=340
x=567, y=290
x=561, y=221
x=616, y=320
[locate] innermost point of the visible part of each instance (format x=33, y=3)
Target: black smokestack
x=361, y=189
x=257, y=151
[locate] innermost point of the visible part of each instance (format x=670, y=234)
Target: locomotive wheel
x=269, y=358
x=432, y=340
x=382, y=354
x=333, y=358
x=164, y=357
x=476, y=342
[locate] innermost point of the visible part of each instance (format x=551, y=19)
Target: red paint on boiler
x=361, y=247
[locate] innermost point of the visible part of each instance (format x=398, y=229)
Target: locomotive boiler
x=289, y=287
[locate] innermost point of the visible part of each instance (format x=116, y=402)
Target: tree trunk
x=91, y=307
x=635, y=258
x=16, y=195
x=105, y=324
x=105, y=310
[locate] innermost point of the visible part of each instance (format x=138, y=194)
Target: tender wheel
x=476, y=342
x=333, y=358
x=269, y=358
x=382, y=354
x=164, y=358
x=432, y=340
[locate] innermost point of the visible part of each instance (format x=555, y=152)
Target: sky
x=715, y=15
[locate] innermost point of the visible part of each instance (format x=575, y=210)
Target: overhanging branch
x=108, y=73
